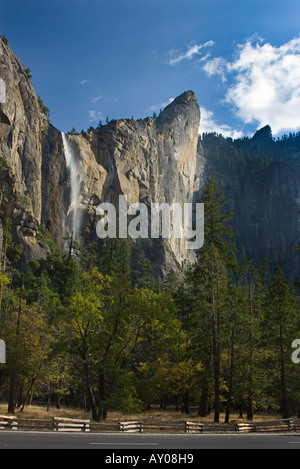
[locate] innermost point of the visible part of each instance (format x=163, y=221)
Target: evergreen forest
x=93, y=328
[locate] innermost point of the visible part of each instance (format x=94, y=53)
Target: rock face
x=21, y=133
x=261, y=181
x=147, y=160
x=151, y=160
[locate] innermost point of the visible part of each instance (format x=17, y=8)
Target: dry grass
x=40, y=412
x=155, y=414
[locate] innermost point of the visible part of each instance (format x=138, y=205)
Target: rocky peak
x=184, y=106
x=263, y=135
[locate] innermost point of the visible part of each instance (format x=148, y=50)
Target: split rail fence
x=78, y=425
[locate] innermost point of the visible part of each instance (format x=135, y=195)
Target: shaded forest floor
x=155, y=414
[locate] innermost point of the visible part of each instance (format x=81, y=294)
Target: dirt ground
x=155, y=414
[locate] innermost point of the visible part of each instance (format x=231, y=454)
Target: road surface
x=150, y=442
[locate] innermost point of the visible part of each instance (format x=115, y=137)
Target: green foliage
x=4, y=39
x=10, y=250
x=230, y=157
x=43, y=107
x=95, y=326
x=217, y=232
x=114, y=257
x=23, y=199
x=45, y=237
x=4, y=164
x=28, y=73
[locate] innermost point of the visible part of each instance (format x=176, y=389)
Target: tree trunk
x=14, y=376
x=230, y=376
x=249, y=403
x=202, y=411
x=29, y=392
x=102, y=412
x=216, y=351
x=284, y=400
x=12, y=395
x=93, y=403
x=185, y=406
x=249, y=400
x=90, y=391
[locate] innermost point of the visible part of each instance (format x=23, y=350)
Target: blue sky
x=124, y=58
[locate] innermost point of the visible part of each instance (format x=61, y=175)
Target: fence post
x=193, y=427
x=69, y=424
x=291, y=425
x=8, y=422
x=131, y=427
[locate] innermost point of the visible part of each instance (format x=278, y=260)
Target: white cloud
x=158, y=107
x=95, y=116
x=208, y=124
x=217, y=66
x=192, y=50
x=267, y=86
x=96, y=99
x=84, y=82
x=266, y=83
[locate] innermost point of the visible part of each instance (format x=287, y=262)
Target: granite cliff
x=149, y=160
x=261, y=180
x=22, y=129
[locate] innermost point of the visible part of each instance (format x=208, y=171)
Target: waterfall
x=73, y=214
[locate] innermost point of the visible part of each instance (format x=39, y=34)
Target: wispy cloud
x=84, y=82
x=175, y=57
x=216, y=66
x=97, y=98
x=158, y=107
x=208, y=124
x=95, y=116
x=265, y=83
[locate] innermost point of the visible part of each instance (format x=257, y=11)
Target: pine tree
x=280, y=328
x=235, y=324
x=251, y=282
x=217, y=232
x=114, y=257
x=144, y=271
x=209, y=280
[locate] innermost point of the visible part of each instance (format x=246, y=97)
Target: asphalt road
x=151, y=442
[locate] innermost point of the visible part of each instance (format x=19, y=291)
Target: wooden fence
x=131, y=427
x=78, y=425
x=8, y=423
x=194, y=427
x=284, y=425
x=71, y=425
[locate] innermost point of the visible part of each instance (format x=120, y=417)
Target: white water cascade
x=73, y=214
